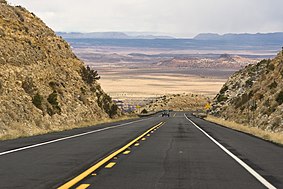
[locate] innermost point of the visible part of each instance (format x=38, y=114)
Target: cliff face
x=254, y=96
x=43, y=85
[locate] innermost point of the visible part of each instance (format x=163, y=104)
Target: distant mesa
x=110, y=35
x=207, y=36
x=243, y=37
x=225, y=56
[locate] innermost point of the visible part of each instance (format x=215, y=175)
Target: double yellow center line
x=90, y=170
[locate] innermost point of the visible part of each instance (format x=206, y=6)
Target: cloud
x=183, y=17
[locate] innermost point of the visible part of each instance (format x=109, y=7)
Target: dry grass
x=16, y=132
x=266, y=135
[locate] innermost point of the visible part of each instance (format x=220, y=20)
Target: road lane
x=49, y=165
x=66, y=138
x=261, y=179
x=177, y=156
x=34, y=140
x=264, y=157
x=105, y=160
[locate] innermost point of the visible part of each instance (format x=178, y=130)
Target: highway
x=179, y=152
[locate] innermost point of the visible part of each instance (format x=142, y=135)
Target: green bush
x=221, y=98
x=224, y=89
x=251, y=94
x=273, y=85
x=279, y=98
x=37, y=101
x=89, y=75
x=249, y=83
x=271, y=67
x=53, y=101
x=1, y=87
x=104, y=101
x=113, y=110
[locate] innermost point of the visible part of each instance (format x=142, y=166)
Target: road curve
x=154, y=152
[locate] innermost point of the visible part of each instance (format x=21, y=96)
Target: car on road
x=166, y=113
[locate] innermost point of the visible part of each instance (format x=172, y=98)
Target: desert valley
x=136, y=71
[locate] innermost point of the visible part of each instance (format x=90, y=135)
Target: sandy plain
x=125, y=83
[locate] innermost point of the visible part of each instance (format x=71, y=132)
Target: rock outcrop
x=254, y=96
x=43, y=85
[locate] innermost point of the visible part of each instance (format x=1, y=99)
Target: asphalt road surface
x=178, y=152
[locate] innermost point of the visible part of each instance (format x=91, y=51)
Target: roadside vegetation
x=20, y=132
x=266, y=135
x=177, y=102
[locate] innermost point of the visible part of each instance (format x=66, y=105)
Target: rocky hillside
x=177, y=102
x=254, y=96
x=43, y=85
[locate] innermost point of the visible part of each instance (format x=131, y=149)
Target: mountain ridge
x=258, y=37
x=110, y=35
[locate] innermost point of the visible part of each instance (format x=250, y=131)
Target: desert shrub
x=221, y=98
x=253, y=107
x=28, y=86
x=249, y=83
x=53, y=101
x=93, y=89
x=266, y=103
x=83, y=90
x=89, y=75
x=98, y=87
x=105, y=103
x=53, y=84
x=259, y=96
x=113, y=110
x=271, y=67
x=37, y=101
x=242, y=108
x=224, y=89
x=251, y=94
x=240, y=101
x=144, y=111
x=273, y=85
x=83, y=99
x=3, y=1
x=19, y=14
x=270, y=110
x=107, y=98
x=279, y=98
x=1, y=87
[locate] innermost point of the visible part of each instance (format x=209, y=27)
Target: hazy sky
x=183, y=18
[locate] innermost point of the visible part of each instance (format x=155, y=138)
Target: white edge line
x=68, y=137
x=243, y=164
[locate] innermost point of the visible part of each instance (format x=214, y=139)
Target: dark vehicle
x=166, y=113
